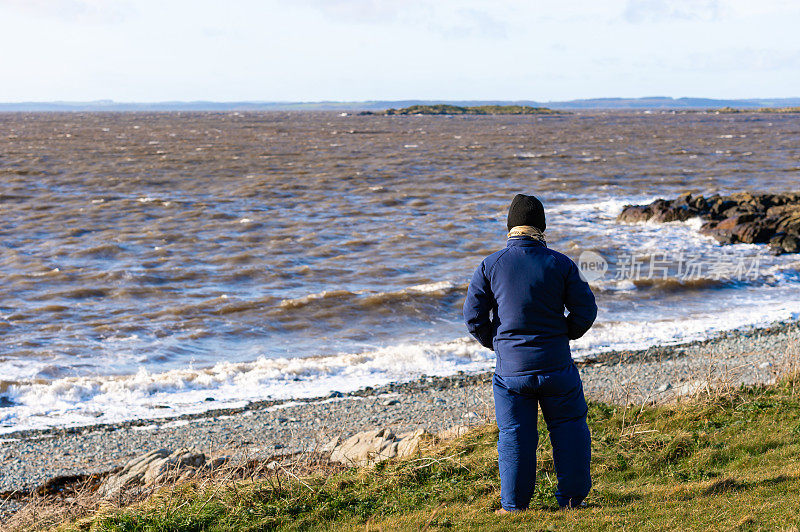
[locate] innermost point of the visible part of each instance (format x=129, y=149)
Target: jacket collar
x=524, y=241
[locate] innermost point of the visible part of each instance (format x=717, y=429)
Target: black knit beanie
x=526, y=210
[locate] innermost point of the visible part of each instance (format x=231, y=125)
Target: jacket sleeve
x=579, y=301
x=477, y=307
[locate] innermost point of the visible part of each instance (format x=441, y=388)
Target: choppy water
x=151, y=261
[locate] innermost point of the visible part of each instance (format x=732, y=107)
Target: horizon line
x=612, y=102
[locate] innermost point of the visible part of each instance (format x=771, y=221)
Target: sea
x=157, y=264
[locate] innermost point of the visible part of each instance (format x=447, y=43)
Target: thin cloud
x=91, y=11
x=638, y=11
x=745, y=60
x=471, y=23
x=452, y=20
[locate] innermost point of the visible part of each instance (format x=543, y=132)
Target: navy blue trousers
x=516, y=405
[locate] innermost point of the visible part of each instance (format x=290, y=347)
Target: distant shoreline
x=652, y=103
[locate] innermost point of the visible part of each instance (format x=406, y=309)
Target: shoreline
x=263, y=429
x=663, y=351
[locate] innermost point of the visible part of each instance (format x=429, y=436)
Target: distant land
x=654, y=102
x=443, y=109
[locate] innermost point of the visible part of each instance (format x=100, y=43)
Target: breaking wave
x=90, y=400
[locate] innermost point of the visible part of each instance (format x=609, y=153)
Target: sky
x=354, y=50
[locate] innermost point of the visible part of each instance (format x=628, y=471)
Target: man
x=515, y=306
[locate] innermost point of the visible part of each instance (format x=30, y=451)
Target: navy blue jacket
x=515, y=306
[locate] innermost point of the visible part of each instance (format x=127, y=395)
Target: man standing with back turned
x=515, y=306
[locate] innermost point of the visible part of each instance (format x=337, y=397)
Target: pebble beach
x=260, y=430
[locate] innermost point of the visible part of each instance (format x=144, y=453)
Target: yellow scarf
x=527, y=231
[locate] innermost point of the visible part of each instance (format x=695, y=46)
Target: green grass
x=723, y=463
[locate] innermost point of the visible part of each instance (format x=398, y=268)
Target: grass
x=729, y=462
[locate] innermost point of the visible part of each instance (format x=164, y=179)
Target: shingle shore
x=746, y=356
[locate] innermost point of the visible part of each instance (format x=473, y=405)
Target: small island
x=444, y=109
x=735, y=110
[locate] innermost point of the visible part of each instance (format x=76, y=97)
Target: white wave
x=607, y=209
x=76, y=401
x=694, y=223
x=89, y=400
x=643, y=334
x=304, y=300
x=426, y=288
x=430, y=287
x=613, y=284
x=533, y=155
x=102, y=399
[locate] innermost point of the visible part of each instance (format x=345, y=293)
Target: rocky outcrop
x=373, y=446
x=772, y=219
x=156, y=467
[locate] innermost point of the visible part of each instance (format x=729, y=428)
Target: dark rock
x=789, y=222
x=785, y=243
x=673, y=214
x=781, y=210
x=791, y=244
x=634, y=213
x=699, y=203
x=741, y=210
x=660, y=210
x=740, y=217
x=684, y=200
x=708, y=227
x=753, y=233
x=722, y=236
x=719, y=207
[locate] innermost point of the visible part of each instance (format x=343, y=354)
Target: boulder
x=781, y=210
x=719, y=207
x=723, y=235
x=682, y=200
x=660, y=210
x=634, y=213
x=785, y=243
x=741, y=228
x=752, y=233
x=373, y=446
x=738, y=219
x=153, y=467
x=699, y=204
x=175, y=464
x=788, y=222
x=673, y=214
x=410, y=442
